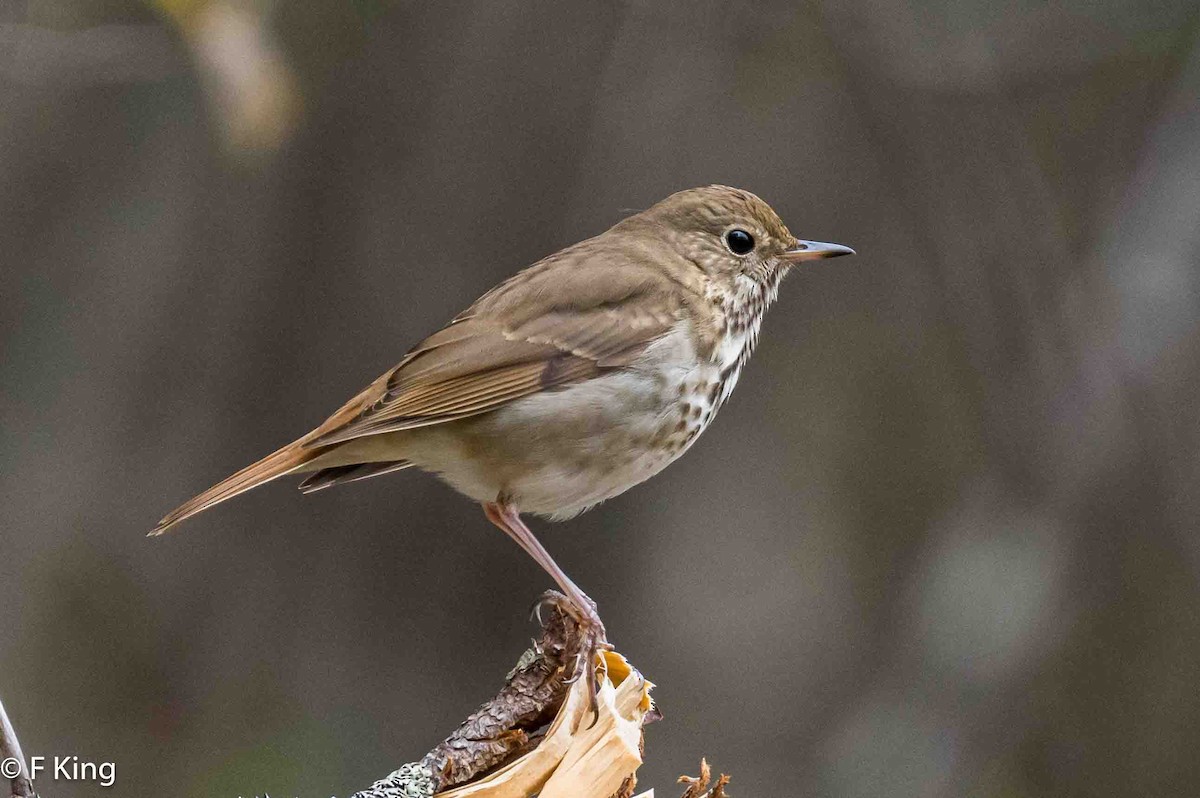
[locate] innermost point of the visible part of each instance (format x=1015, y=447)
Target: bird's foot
x=581, y=610
x=593, y=639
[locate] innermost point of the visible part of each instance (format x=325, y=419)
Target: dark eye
x=739, y=241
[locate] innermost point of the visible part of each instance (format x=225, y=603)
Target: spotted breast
x=592, y=441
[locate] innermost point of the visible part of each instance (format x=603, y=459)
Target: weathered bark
x=507, y=725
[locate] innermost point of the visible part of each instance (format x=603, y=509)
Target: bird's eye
x=739, y=241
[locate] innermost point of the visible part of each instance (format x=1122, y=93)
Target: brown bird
x=570, y=382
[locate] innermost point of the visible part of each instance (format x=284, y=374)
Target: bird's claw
x=582, y=612
x=594, y=639
x=594, y=642
x=576, y=670
x=551, y=598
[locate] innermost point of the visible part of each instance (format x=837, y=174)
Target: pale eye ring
x=739, y=241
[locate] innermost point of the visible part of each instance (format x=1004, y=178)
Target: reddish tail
x=284, y=461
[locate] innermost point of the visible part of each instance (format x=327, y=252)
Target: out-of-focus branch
x=252, y=90
x=13, y=760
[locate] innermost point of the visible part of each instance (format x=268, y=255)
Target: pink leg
x=507, y=518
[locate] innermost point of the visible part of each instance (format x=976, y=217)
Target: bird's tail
x=284, y=461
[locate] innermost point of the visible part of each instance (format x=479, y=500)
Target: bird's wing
x=560, y=322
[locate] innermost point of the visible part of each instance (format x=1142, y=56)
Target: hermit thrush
x=570, y=382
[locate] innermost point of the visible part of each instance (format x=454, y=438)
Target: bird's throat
x=740, y=308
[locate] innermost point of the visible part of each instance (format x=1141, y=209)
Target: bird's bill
x=814, y=250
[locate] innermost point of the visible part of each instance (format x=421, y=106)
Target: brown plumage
x=570, y=382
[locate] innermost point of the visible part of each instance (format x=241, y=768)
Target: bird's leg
x=580, y=607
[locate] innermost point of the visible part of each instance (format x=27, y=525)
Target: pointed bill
x=814, y=250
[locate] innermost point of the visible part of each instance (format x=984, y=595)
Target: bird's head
x=728, y=232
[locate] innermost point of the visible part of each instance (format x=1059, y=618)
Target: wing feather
x=549, y=327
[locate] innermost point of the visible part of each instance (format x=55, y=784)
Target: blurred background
x=942, y=542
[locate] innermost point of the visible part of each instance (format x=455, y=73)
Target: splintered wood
x=577, y=757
